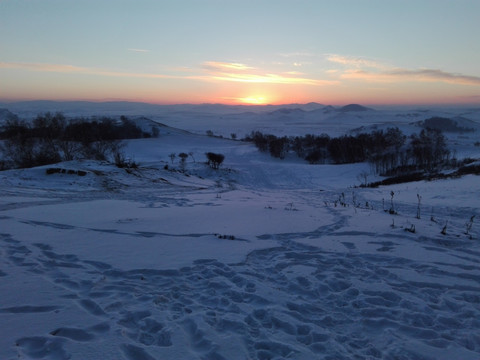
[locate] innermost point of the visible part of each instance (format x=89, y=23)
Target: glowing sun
x=254, y=100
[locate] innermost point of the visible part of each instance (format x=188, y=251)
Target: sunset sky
x=241, y=52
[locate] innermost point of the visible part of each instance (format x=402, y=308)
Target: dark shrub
x=215, y=160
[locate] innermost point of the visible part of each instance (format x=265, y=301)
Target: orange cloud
x=236, y=72
x=271, y=79
x=215, y=71
x=294, y=73
x=225, y=66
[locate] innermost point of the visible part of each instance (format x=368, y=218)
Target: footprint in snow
x=92, y=307
x=39, y=347
x=26, y=309
x=73, y=334
x=133, y=352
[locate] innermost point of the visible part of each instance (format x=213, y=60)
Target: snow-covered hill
x=6, y=115
x=261, y=259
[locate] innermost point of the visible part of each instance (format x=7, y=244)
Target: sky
x=241, y=52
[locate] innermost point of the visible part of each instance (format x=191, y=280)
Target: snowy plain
x=256, y=260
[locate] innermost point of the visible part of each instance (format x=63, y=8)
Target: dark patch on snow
x=454, y=125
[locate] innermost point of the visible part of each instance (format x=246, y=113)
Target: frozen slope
x=258, y=260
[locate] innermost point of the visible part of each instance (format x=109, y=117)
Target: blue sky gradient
x=225, y=51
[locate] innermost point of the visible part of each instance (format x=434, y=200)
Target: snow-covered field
x=257, y=260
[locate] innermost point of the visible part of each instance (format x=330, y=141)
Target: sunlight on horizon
x=253, y=100
x=206, y=54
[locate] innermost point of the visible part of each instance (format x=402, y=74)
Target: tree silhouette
x=214, y=160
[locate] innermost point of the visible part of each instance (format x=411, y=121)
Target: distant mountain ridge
x=32, y=108
x=354, y=107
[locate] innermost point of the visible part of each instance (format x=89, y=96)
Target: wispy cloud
x=139, y=50
x=437, y=75
x=71, y=69
x=212, y=71
x=271, y=79
x=295, y=73
x=42, y=67
x=357, y=62
x=297, y=54
x=236, y=72
x=428, y=75
x=225, y=66
x=360, y=68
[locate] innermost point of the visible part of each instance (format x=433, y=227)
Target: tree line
x=388, y=151
x=51, y=138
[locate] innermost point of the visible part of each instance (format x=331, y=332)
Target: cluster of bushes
x=50, y=138
x=51, y=171
x=214, y=160
x=388, y=151
x=418, y=176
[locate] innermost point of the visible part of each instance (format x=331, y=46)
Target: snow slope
x=258, y=260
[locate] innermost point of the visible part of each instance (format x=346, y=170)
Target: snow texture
x=257, y=260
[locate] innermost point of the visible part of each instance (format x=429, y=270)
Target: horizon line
x=104, y=101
